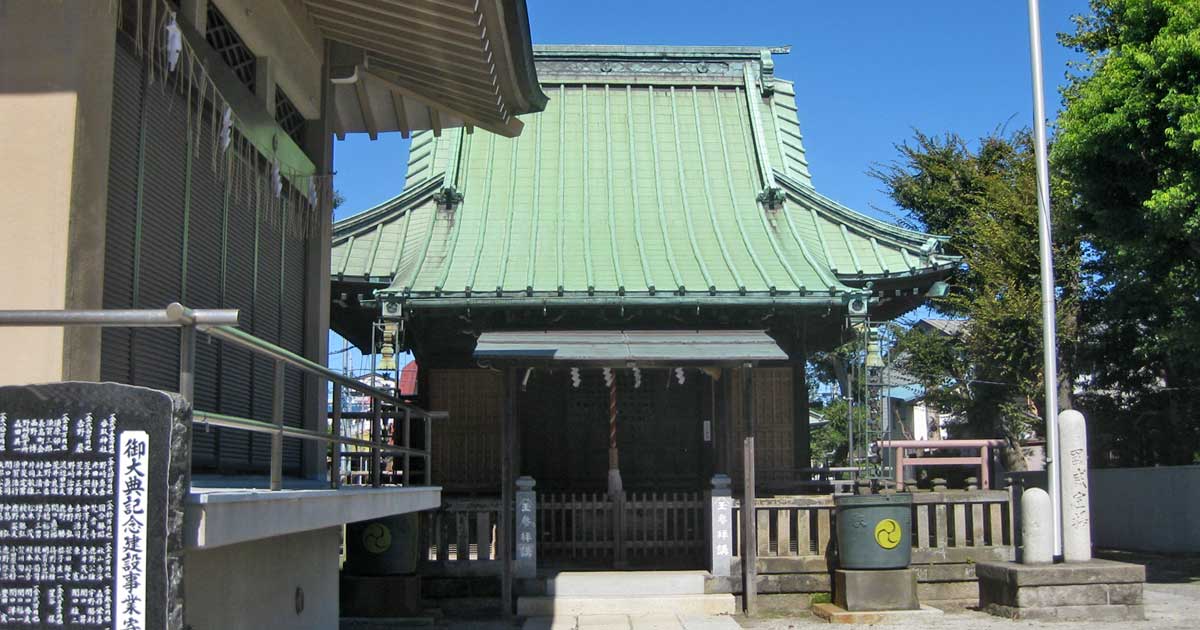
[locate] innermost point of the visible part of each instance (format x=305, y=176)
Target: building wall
x=56, y=64
x=253, y=585
x=1146, y=509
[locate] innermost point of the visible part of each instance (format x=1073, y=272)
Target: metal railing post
x=187, y=362
x=428, y=424
x=376, y=459
x=407, y=428
x=277, y=436
x=335, y=431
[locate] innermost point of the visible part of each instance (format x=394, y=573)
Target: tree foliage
x=1129, y=144
x=984, y=197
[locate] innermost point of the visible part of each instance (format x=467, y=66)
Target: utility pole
x=1045, y=242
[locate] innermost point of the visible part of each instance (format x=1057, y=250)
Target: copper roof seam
x=879, y=256
x=587, y=211
x=485, y=210
x=712, y=210
x=733, y=197
x=612, y=211
x=403, y=241
x=508, y=221
x=816, y=221
x=374, y=252
x=687, y=209
x=633, y=186
x=662, y=208
x=535, y=211
x=764, y=161
x=349, y=250
x=466, y=151
x=457, y=221
x=850, y=248
x=562, y=194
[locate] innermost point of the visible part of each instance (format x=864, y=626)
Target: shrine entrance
x=616, y=429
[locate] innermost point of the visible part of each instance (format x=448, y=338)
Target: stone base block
x=380, y=596
x=1097, y=590
x=861, y=591
x=836, y=614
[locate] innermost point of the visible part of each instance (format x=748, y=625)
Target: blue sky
x=867, y=74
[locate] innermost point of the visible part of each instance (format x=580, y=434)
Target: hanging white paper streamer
x=637, y=378
x=575, y=380
x=608, y=377
x=174, y=42
x=312, y=194
x=276, y=180
x=226, y=126
x=679, y=375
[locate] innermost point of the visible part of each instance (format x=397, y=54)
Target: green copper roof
x=651, y=172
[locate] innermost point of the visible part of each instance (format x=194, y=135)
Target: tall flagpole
x=1049, y=337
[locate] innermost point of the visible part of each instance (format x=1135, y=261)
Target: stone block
x=836, y=614
x=1108, y=612
x=860, y=591
x=1090, y=572
x=1097, y=590
x=945, y=591
x=1079, y=595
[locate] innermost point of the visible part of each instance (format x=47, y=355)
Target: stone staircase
x=582, y=593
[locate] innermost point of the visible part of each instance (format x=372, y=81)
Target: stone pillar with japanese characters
x=1077, y=522
x=92, y=482
x=721, y=520
x=525, y=561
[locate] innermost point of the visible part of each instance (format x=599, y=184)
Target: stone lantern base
x=1096, y=590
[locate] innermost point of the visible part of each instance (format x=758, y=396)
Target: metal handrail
x=221, y=323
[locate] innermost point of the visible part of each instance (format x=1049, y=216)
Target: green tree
x=831, y=440
x=984, y=197
x=1129, y=144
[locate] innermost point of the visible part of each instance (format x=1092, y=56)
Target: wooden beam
x=505, y=526
x=749, y=520
x=401, y=114
x=435, y=121
x=364, y=105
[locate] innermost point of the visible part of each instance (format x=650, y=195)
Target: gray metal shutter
x=121, y=223
x=203, y=280
x=233, y=260
x=292, y=337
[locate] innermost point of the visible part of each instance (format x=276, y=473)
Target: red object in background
x=408, y=379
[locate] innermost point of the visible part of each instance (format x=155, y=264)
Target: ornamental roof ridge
x=652, y=64
x=682, y=52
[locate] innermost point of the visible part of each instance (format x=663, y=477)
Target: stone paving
x=632, y=622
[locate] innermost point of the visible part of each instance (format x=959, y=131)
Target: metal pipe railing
x=221, y=324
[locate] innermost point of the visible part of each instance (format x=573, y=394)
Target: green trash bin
x=874, y=531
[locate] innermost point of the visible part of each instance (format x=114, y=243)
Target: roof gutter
x=414, y=304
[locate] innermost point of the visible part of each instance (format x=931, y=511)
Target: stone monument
x=1079, y=588
x=92, y=482
x=1037, y=530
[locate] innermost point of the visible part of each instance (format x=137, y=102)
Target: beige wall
x=253, y=585
x=55, y=110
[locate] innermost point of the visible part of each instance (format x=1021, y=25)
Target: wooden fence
x=950, y=526
x=460, y=537
x=637, y=527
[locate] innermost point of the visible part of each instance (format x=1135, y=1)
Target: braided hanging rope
x=612, y=412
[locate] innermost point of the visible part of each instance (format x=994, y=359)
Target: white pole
x=1049, y=338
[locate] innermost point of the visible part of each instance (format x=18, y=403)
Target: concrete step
x=633, y=583
x=573, y=606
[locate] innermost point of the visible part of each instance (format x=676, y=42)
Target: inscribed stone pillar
x=721, y=521
x=525, y=562
x=1072, y=457
x=1037, y=528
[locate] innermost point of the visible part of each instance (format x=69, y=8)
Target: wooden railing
x=664, y=525
x=460, y=537
x=633, y=527
x=950, y=526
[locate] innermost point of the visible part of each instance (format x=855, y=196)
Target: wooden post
x=749, y=520
x=801, y=434
x=505, y=526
